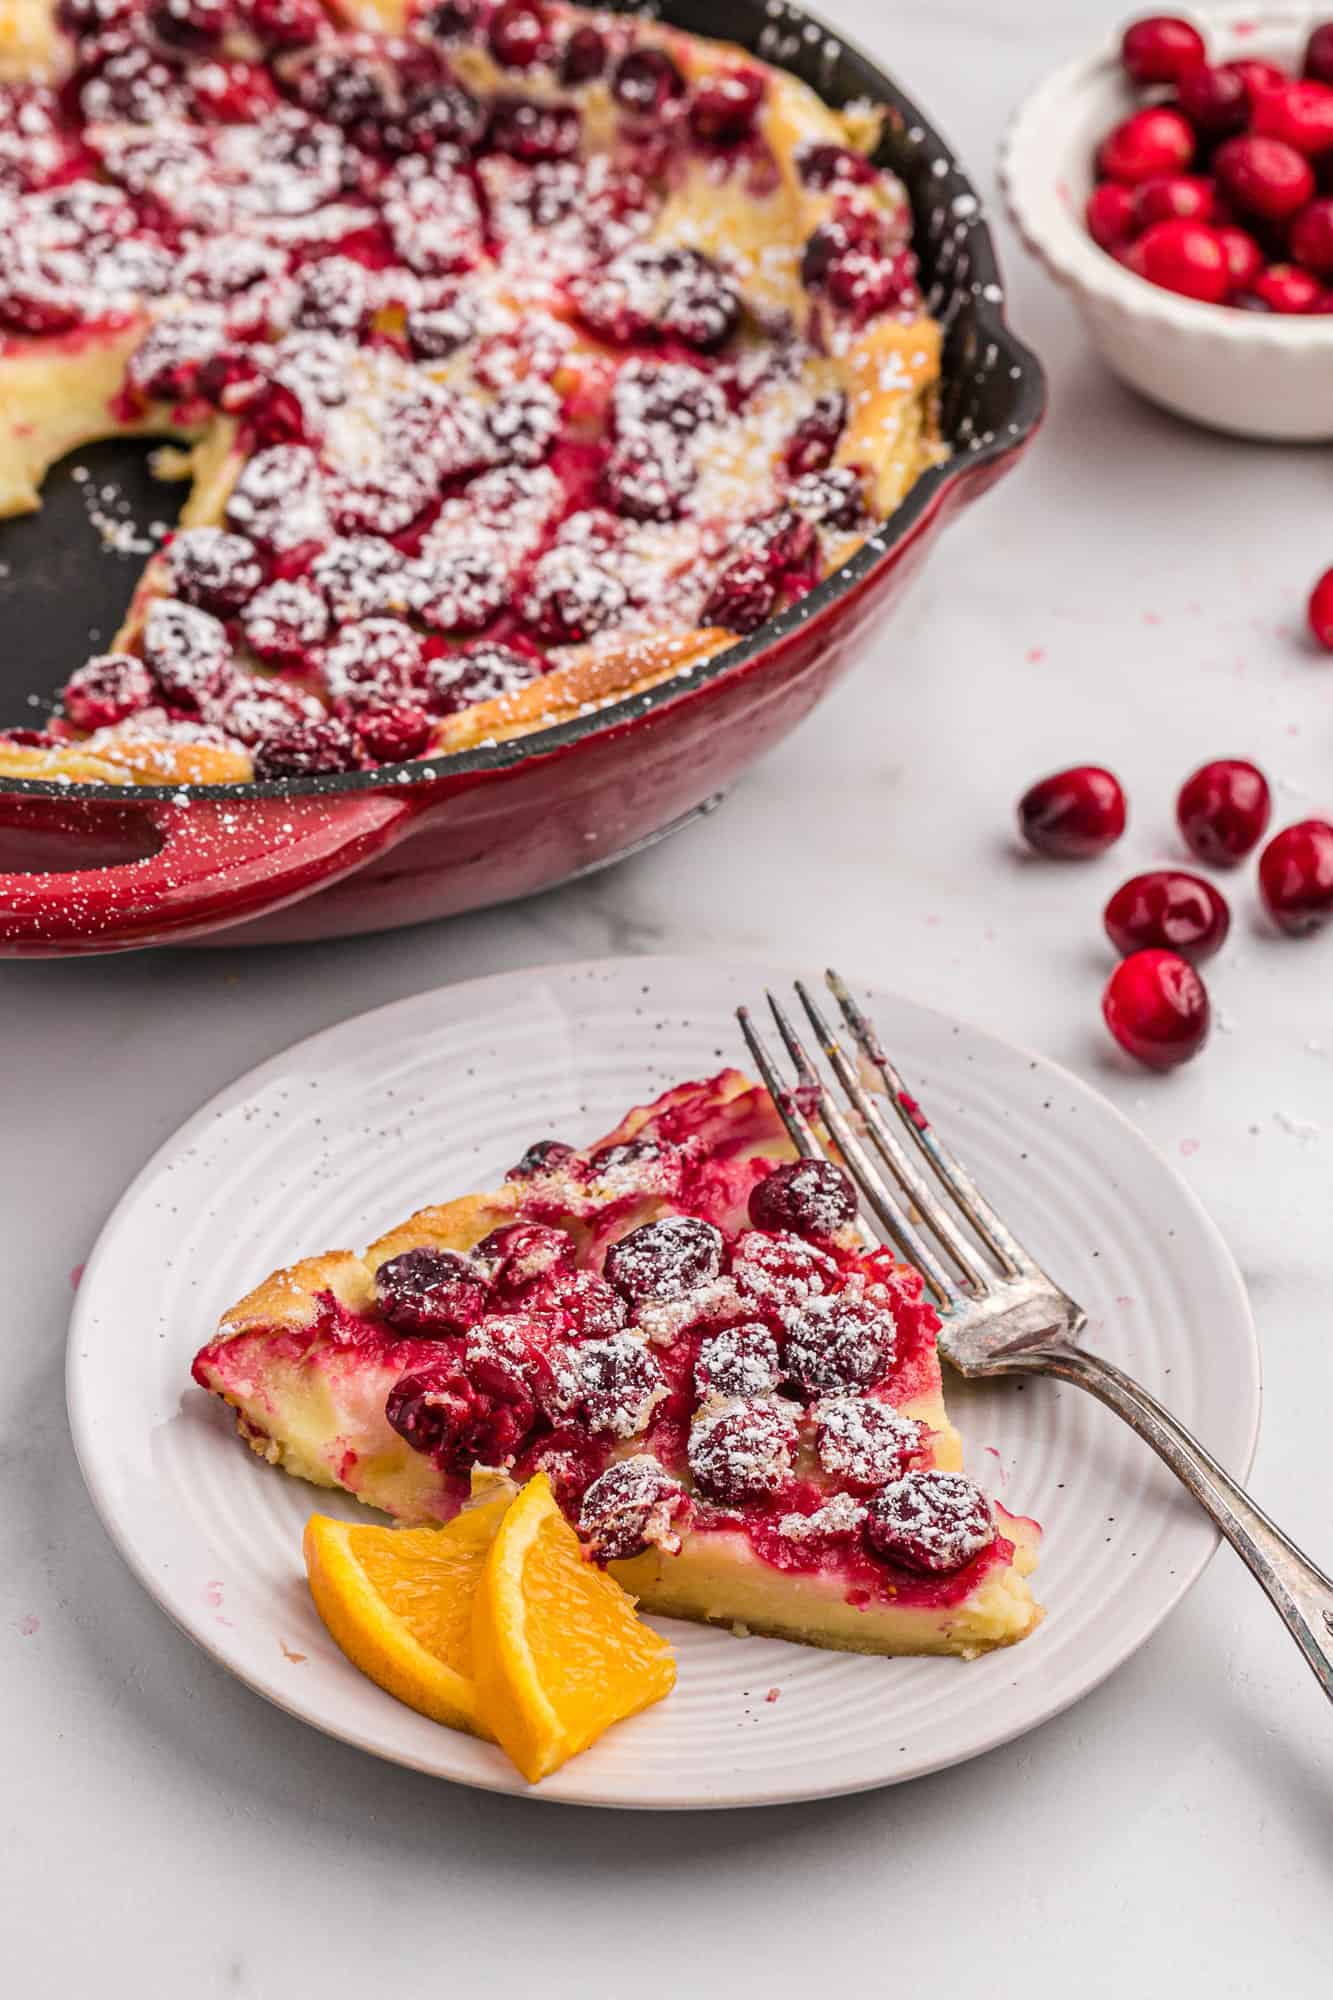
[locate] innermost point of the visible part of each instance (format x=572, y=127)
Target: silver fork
x=1000, y=1314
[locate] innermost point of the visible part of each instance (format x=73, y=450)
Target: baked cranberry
x=213, y=570
x=435, y=1411
x=646, y=81
x=785, y=539
x=745, y=594
x=449, y=20
x=823, y=166
x=1110, y=213
x=371, y=663
x=739, y=1361
x=1320, y=611
x=633, y=1154
x=724, y=106
x=583, y=56
x=192, y=25
x=1155, y=141
x=284, y=622
x=648, y=477
x=633, y=1506
x=1161, y=49
x=1285, y=288
x=585, y=1304
x=1244, y=258
x=526, y=130
x=512, y=1363
x=1172, y=197
x=484, y=672
x=1318, y=61
x=278, y=498
x=743, y=1451
x=1215, y=101
x=106, y=690
x=392, y=731
x=435, y=1292
x=308, y=750
x=253, y=709
x=808, y=1197
x=833, y=1343
x=863, y=1443
x=572, y=596
x=664, y=1260
x=1296, y=876
x=1223, y=810
x=520, y=34
x=81, y=18
x=1156, y=1006
x=187, y=651
x=333, y=296
x=1184, y=257
x=620, y=1385
x=1073, y=814
x=1311, y=237
x=519, y=1254
x=1170, y=909
x=546, y=1156
x=1301, y=114
x=667, y=395
x=286, y=24
x=671, y=291
x=812, y=444
x=865, y=283
x=352, y=87
x=1265, y=177
x=930, y=1521
x=832, y=499
x=779, y=1269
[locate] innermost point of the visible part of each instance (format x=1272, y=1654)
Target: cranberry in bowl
x=1175, y=183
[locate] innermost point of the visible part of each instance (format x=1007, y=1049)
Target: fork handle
x=1298, y=1588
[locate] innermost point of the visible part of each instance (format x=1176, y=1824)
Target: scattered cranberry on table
x=1320, y=611
x=1223, y=810
x=1211, y=190
x=1296, y=876
x=1170, y=909
x=1156, y=1006
x=1073, y=814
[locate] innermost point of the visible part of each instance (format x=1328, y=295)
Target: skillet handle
x=202, y=865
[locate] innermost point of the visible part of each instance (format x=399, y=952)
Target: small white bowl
x=1256, y=375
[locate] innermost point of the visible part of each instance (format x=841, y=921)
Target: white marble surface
x=1130, y=596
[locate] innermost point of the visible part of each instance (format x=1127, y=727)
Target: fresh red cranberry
x=1161, y=49
x=1258, y=75
x=646, y=81
x=526, y=130
x=286, y=24
x=739, y=1361
x=864, y=1443
x=808, y=1197
x=1170, y=909
x=1215, y=101
x=1319, y=54
x=187, y=651
x=812, y=444
x=633, y=1506
x=520, y=34
x=724, y=106
x=1155, y=141
x=308, y=750
x=823, y=166
x=1299, y=113
x=1073, y=814
x=664, y=1260
x=546, y=1156
x=930, y=1521
x=106, y=690
x=1296, y=876
x=745, y=594
x=390, y=732
x=1156, y=1006
x=1311, y=237
x=1110, y=214
x=1223, y=810
x=835, y=1343
x=435, y=1292
x=483, y=672
x=1173, y=197
x=620, y=1384
x=1320, y=611
x=583, y=56
x=1285, y=288
x=194, y=26
x=214, y=570
x=1184, y=257
x=1244, y=258
x=1265, y=177
x=521, y=1254
x=743, y=1451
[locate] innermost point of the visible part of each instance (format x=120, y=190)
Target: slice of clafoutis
x=737, y=1403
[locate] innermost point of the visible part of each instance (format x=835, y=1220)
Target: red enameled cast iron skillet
x=93, y=869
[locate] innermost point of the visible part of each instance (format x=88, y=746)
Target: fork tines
x=860, y=1146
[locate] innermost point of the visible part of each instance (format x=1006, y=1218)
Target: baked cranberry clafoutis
x=737, y=1404
x=525, y=356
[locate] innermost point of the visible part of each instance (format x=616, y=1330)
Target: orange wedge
x=558, y=1650
x=398, y=1601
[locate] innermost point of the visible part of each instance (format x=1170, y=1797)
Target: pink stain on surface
x=1035, y=655
x=213, y=1599
x=1188, y=1146
x=29, y=1624
x=1152, y=617
x=1124, y=1300
x=772, y=1694
x=75, y=1275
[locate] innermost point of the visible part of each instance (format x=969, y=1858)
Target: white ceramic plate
x=350, y=1131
